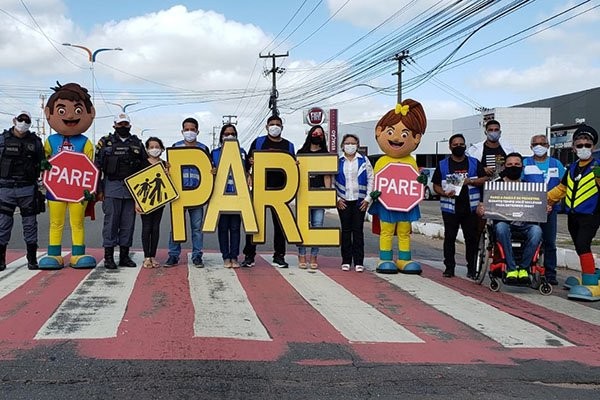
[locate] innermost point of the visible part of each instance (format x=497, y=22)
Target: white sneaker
x=359, y=268
x=227, y=263
x=345, y=267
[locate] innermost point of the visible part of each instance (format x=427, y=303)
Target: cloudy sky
x=200, y=58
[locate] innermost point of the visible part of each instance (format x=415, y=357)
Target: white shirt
x=351, y=175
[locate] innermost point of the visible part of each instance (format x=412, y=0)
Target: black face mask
x=459, y=151
x=513, y=173
x=315, y=140
x=123, y=131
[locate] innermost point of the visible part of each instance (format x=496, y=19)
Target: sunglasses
x=582, y=145
x=23, y=119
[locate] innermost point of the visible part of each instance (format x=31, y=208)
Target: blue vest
x=447, y=204
x=260, y=142
x=531, y=175
x=216, y=157
x=582, y=190
x=190, y=175
x=363, y=179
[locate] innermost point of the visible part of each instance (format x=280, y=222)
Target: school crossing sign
x=400, y=190
x=151, y=188
x=71, y=174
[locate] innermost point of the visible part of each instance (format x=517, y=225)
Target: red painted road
x=159, y=320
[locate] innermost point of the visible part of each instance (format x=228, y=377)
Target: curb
x=565, y=258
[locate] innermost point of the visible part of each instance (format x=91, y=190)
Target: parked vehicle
x=429, y=192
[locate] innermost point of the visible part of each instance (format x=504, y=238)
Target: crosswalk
x=213, y=312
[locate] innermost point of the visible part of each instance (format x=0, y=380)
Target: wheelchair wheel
x=494, y=285
x=545, y=289
x=482, y=259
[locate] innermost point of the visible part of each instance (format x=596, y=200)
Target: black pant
x=353, y=239
x=278, y=240
x=583, y=228
x=469, y=224
x=151, y=231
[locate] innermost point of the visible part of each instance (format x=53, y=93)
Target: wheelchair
x=491, y=262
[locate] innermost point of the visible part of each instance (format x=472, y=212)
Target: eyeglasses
x=582, y=145
x=23, y=119
x=539, y=144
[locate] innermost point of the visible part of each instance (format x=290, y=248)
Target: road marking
x=221, y=306
x=15, y=275
x=498, y=325
x=553, y=303
x=96, y=307
x=353, y=318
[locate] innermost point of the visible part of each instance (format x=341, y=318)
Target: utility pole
x=401, y=58
x=274, y=71
x=215, y=134
x=43, y=105
x=230, y=119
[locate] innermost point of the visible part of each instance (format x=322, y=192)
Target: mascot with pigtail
x=398, y=134
x=70, y=113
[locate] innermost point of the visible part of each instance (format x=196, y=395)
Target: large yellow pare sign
x=252, y=209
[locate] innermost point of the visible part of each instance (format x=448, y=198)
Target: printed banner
x=515, y=201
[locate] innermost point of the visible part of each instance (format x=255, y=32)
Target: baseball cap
x=121, y=118
x=23, y=113
x=586, y=130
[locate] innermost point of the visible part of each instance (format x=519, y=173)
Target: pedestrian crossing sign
x=151, y=188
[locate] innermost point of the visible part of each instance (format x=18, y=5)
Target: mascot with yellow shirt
x=398, y=134
x=70, y=113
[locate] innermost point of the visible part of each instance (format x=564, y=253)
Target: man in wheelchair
x=506, y=232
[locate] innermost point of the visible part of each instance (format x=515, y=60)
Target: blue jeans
x=229, y=235
x=533, y=237
x=317, y=215
x=196, y=218
x=549, y=237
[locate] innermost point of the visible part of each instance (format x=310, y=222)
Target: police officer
x=118, y=155
x=21, y=153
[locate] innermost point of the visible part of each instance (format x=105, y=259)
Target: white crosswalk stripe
x=355, y=319
x=96, y=307
x=15, y=275
x=221, y=305
x=498, y=325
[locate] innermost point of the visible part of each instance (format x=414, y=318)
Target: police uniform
x=118, y=158
x=20, y=159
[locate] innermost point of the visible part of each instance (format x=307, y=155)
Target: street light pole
x=437, y=142
x=92, y=59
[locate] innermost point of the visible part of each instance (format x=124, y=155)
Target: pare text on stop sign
x=401, y=187
x=71, y=177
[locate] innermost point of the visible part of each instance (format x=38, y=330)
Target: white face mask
x=190, y=136
x=229, y=137
x=493, y=136
x=350, y=149
x=540, y=150
x=584, y=153
x=22, y=126
x=274, y=130
x=155, y=152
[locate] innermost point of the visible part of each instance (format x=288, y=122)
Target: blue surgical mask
x=493, y=136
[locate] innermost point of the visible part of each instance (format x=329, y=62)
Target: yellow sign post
x=151, y=188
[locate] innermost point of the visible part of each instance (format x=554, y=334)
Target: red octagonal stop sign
x=70, y=175
x=399, y=188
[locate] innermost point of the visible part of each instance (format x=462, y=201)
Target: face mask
x=350, y=149
x=584, y=153
x=155, y=152
x=539, y=150
x=316, y=139
x=190, y=136
x=459, y=151
x=513, y=173
x=123, y=131
x=274, y=130
x=22, y=126
x=229, y=137
x=494, y=136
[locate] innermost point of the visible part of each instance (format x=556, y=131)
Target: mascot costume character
x=70, y=113
x=398, y=134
